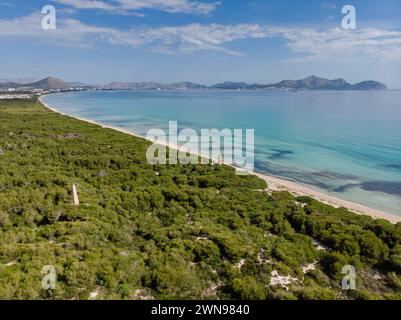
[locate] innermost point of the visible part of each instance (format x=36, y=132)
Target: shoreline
x=274, y=183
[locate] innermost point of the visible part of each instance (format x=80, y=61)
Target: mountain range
x=48, y=83
x=309, y=83
x=316, y=83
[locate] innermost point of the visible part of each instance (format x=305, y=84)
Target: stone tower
x=75, y=200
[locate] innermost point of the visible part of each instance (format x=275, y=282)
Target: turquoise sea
x=346, y=144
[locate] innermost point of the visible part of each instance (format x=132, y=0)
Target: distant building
x=30, y=89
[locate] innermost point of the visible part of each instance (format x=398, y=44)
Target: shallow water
x=346, y=144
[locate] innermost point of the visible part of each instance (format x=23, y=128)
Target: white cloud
x=7, y=4
x=69, y=32
x=127, y=6
x=183, y=39
x=324, y=45
x=194, y=37
x=337, y=44
x=87, y=4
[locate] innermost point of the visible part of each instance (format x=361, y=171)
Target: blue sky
x=205, y=41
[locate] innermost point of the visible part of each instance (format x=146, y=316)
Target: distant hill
x=79, y=85
x=46, y=84
x=228, y=85
x=316, y=83
x=49, y=84
x=369, y=85
x=5, y=85
x=132, y=85
x=186, y=86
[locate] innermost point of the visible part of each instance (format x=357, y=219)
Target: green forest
x=146, y=231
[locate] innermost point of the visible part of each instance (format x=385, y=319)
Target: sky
x=204, y=41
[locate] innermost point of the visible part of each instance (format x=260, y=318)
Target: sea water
x=344, y=143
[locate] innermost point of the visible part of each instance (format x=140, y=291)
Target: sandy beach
x=275, y=183
x=278, y=184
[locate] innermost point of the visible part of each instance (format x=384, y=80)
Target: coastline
x=274, y=183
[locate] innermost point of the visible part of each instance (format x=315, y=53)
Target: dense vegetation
x=164, y=232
